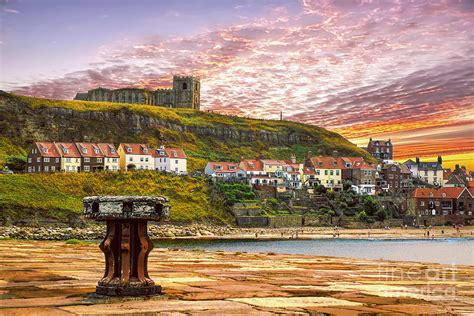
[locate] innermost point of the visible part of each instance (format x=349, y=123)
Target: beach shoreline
x=211, y=232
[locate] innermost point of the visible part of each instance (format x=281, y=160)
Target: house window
x=99, y=160
x=141, y=159
x=29, y=169
x=331, y=172
x=176, y=162
x=185, y=85
x=57, y=159
x=130, y=159
x=114, y=160
x=325, y=172
x=337, y=172
x=422, y=203
x=46, y=159
x=87, y=168
x=146, y=159
x=87, y=160
x=38, y=159
x=68, y=160
x=29, y=160
x=318, y=172
x=53, y=168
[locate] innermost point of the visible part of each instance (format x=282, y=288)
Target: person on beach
x=256, y=235
x=428, y=234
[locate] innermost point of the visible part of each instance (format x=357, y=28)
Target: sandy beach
x=55, y=278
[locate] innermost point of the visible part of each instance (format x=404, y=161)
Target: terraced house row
x=91, y=157
x=318, y=170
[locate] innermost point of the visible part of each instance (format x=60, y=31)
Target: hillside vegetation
x=26, y=198
x=204, y=136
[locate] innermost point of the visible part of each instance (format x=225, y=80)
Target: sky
x=394, y=69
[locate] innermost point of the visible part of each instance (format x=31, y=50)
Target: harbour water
x=445, y=251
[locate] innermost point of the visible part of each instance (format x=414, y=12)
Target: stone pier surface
x=54, y=278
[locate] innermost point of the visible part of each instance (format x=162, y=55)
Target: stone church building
x=186, y=93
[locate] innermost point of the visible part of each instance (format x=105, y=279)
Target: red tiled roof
x=136, y=149
x=326, y=162
x=169, y=152
x=470, y=184
x=274, y=162
x=447, y=192
x=307, y=170
x=68, y=150
x=108, y=150
x=248, y=163
x=89, y=150
x=175, y=153
x=47, y=149
x=471, y=191
x=224, y=166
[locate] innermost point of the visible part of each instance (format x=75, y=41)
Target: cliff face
x=204, y=135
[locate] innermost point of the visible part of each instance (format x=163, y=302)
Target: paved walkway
x=53, y=278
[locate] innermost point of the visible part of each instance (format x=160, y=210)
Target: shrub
x=381, y=215
x=362, y=216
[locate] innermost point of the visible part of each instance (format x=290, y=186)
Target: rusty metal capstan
x=126, y=245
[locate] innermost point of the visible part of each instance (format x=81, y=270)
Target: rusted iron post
x=126, y=244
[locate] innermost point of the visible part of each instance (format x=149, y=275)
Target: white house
x=172, y=160
x=136, y=156
x=224, y=170
x=252, y=167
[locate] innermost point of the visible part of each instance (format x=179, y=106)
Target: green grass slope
x=205, y=136
x=58, y=197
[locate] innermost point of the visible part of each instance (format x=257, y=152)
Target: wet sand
x=53, y=278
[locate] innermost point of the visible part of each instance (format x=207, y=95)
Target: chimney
x=417, y=160
x=334, y=153
x=293, y=158
x=440, y=160
x=457, y=167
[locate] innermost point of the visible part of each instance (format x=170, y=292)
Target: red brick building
x=380, y=149
x=448, y=205
x=44, y=157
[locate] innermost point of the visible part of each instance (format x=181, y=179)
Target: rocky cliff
x=205, y=136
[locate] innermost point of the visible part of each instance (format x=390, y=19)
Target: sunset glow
x=384, y=69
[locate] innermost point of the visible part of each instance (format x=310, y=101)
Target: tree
x=381, y=215
x=362, y=216
x=370, y=205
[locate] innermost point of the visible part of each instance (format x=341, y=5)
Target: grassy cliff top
x=205, y=136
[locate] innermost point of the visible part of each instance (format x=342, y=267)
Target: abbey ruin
x=186, y=93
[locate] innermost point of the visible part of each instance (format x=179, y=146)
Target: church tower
x=187, y=92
